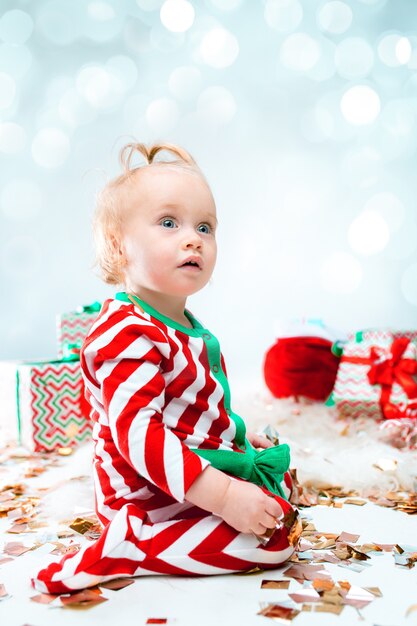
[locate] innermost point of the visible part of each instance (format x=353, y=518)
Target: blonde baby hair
x=108, y=215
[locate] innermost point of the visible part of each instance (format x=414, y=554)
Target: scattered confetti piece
x=82, y=600
x=117, y=583
x=65, y=451
x=15, y=548
x=348, y=537
x=275, y=584
x=43, y=598
x=81, y=525
x=279, y=611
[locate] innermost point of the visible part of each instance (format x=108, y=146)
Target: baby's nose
x=192, y=239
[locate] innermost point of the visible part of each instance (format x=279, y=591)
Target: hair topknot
x=130, y=150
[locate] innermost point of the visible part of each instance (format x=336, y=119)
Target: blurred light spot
x=124, y=69
x=162, y=115
x=100, y=11
x=20, y=199
x=50, y=147
x=219, y=48
x=21, y=257
x=57, y=23
x=329, y=117
x=341, y=273
x=375, y=3
x=317, y=125
x=403, y=243
x=409, y=284
x=177, y=15
x=74, y=110
x=135, y=108
x=165, y=40
x=389, y=206
x=360, y=105
x=394, y=50
x=7, y=90
x=226, y=5
x=216, y=105
x=56, y=88
x=299, y=52
x=149, y=5
x=354, y=58
x=16, y=27
x=101, y=21
x=283, y=15
x=136, y=35
x=325, y=66
x=335, y=17
x=12, y=138
x=185, y=82
x=15, y=60
x=396, y=136
x=368, y=234
x=403, y=50
x=99, y=87
x=361, y=167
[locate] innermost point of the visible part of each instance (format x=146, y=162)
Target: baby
x=180, y=486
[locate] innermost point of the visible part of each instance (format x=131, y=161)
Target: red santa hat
x=301, y=362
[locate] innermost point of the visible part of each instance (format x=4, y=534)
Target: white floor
x=210, y=601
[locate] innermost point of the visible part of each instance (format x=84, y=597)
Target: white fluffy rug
x=328, y=451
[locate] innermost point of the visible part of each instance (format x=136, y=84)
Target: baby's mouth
x=192, y=263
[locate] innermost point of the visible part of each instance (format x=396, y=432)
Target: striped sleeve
x=133, y=396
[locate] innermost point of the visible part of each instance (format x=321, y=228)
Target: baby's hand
x=248, y=509
x=258, y=441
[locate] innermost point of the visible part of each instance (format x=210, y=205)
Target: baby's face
x=169, y=238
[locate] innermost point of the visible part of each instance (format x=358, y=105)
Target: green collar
x=193, y=332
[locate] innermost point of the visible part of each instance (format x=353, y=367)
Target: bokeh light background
x=302, y=113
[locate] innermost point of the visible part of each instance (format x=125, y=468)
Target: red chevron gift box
x=72, y=327
x=377, y=375
x=43, y=404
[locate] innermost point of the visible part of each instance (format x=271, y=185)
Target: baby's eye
x=168, y=222
x=204, y=228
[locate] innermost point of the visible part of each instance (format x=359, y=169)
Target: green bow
x=265, y=468
x=94, y=307
x=71, y=351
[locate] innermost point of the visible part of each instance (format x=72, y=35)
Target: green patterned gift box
x=377, y=375
x=73, y=326
x=43, y=404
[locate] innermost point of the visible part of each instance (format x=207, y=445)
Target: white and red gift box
x=377, y=375
x=43, y=405
x=72, y=327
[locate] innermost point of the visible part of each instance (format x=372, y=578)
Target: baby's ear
x=118, y=250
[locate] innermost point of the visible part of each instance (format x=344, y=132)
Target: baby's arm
x=242, y=505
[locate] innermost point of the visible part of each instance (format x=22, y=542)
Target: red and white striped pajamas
x=157, y=390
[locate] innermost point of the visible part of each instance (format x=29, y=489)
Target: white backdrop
x=302, y=114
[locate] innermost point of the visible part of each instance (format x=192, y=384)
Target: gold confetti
x=275, y=584
x=81, y=525
x=65, y=451
x=82, y=600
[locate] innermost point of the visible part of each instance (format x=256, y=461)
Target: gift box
x=377, y=375
x=43, y=404
x=73, y=326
